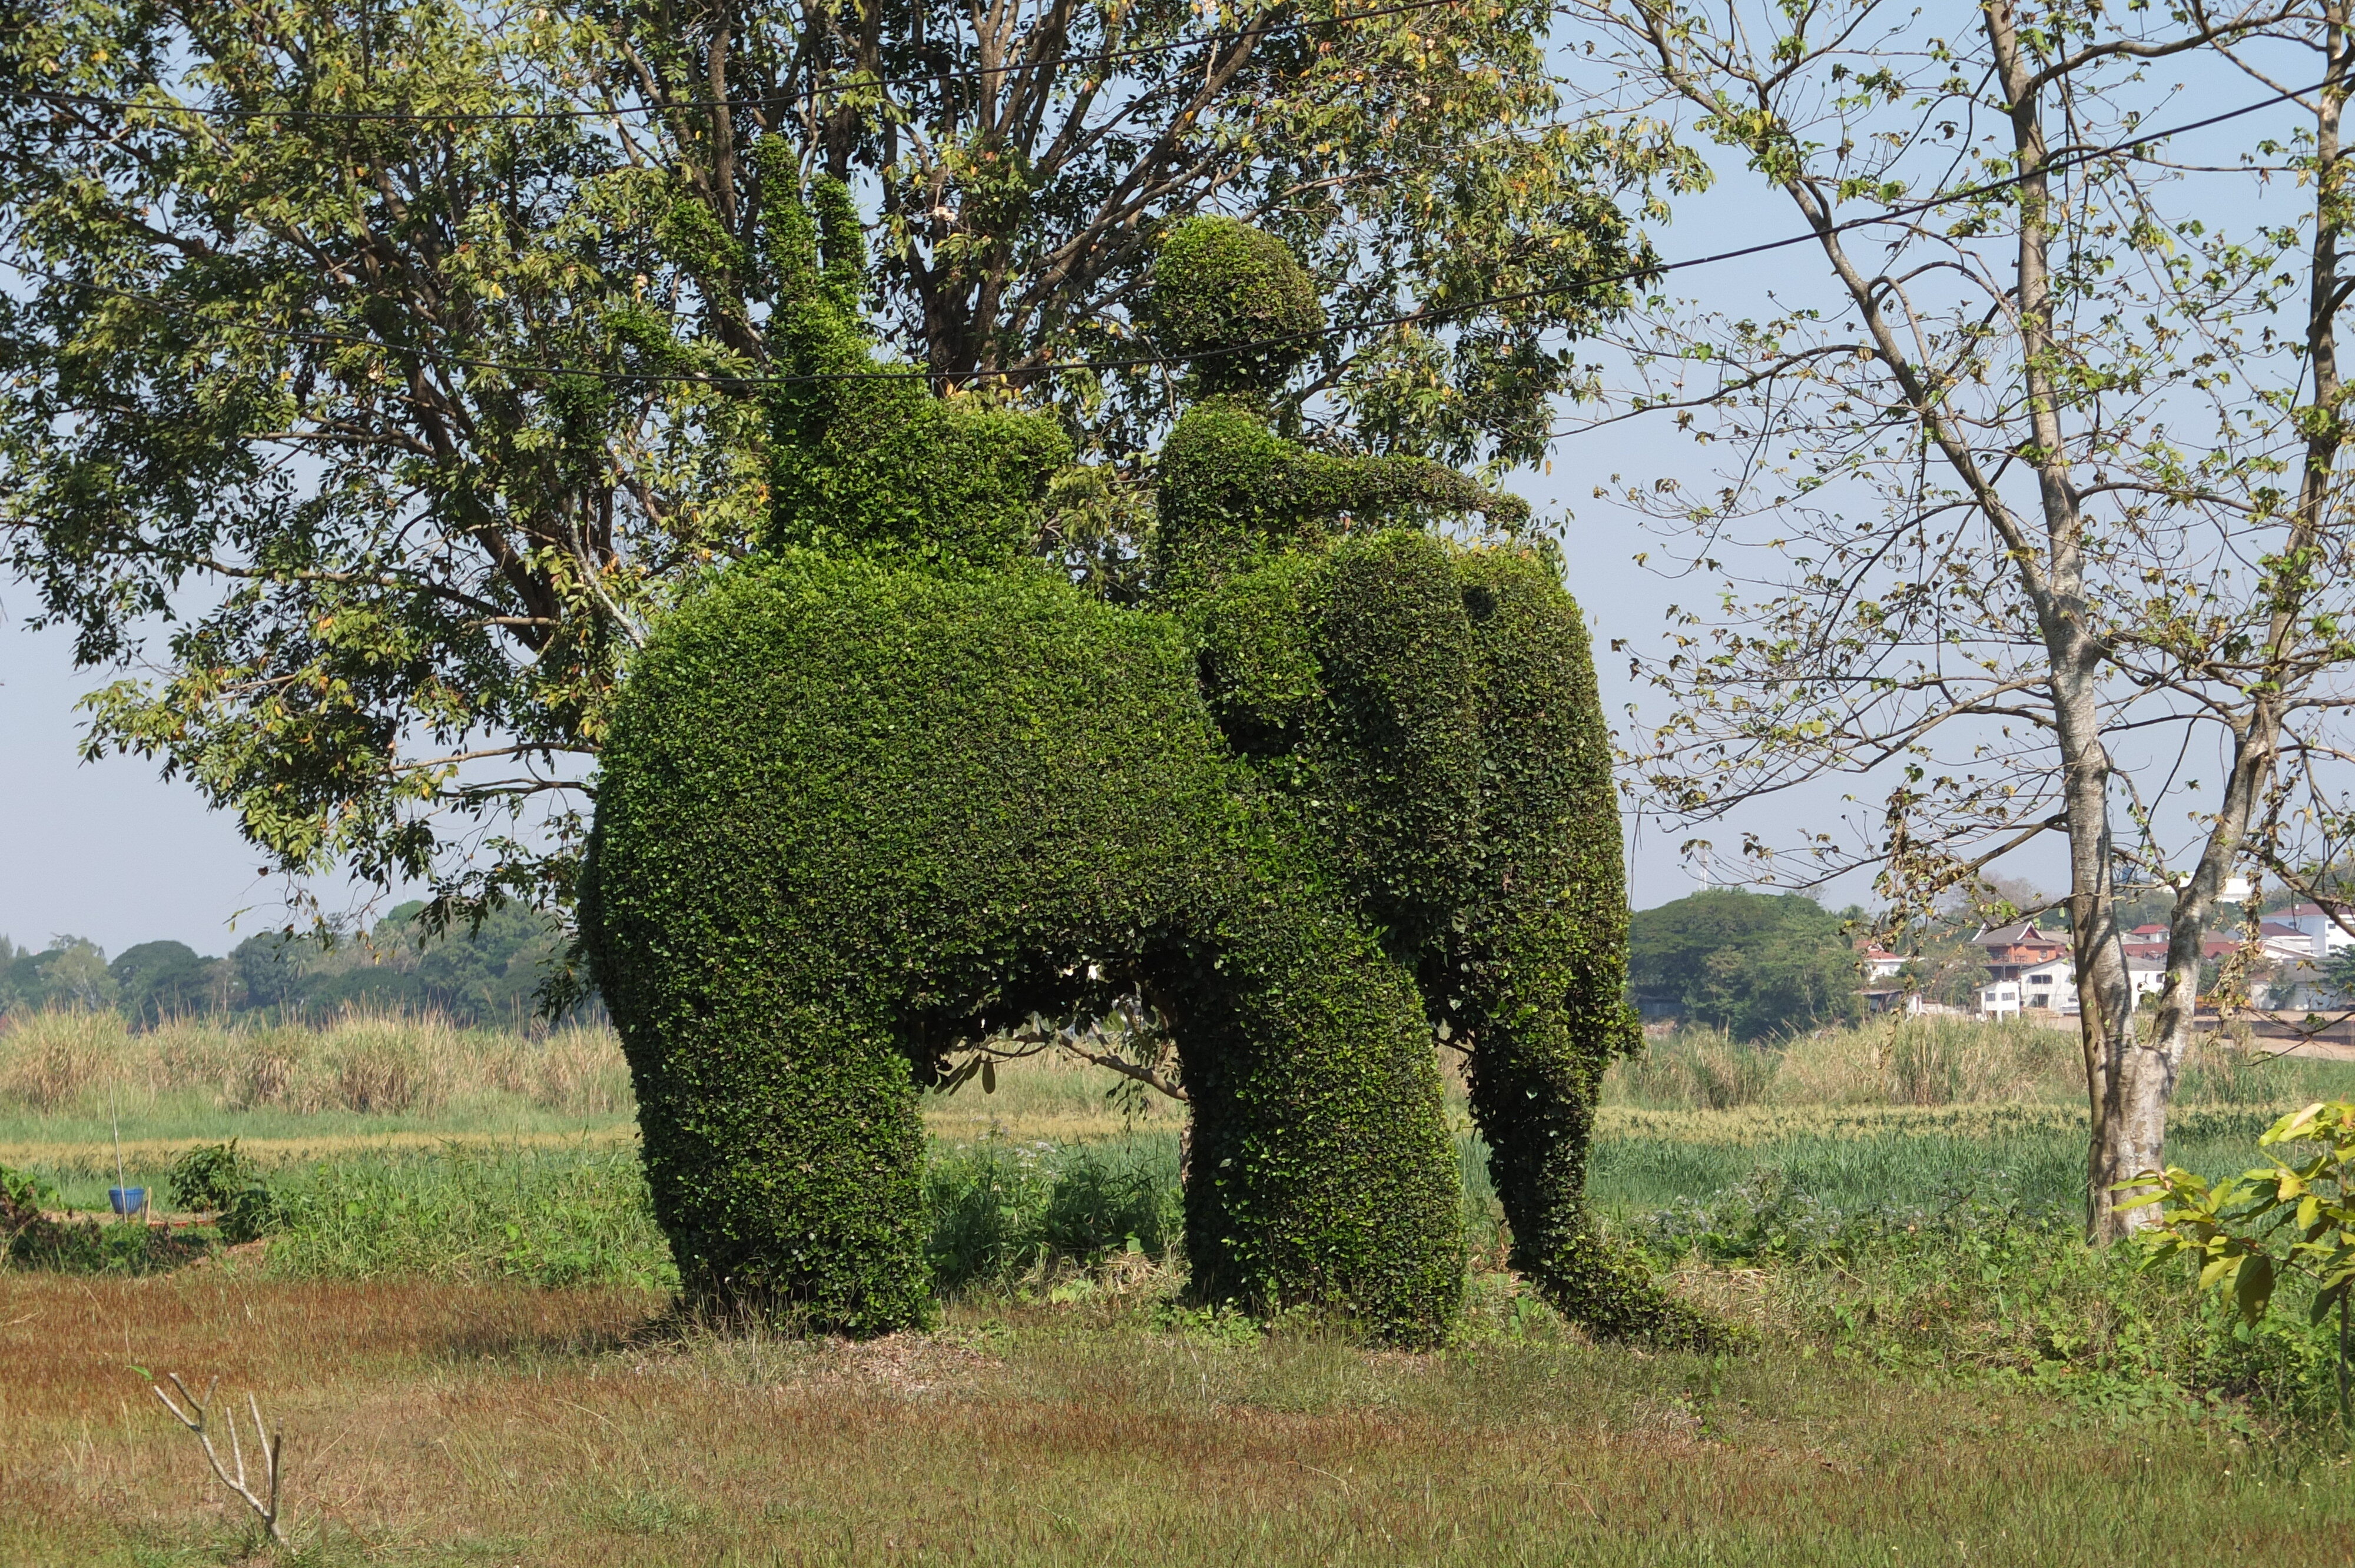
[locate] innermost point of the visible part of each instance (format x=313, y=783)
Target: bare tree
x=2034, y=514
x=267, y=1443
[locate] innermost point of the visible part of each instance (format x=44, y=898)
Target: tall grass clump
x=547, y=1217
x=370, y=1064
x=51, y=1061
x=1700, y=1068
x=1929, y=1062
x=1937, y=1062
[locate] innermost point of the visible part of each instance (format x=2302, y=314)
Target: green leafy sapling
x=2250, y=1231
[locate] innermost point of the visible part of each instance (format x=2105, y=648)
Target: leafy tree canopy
x=69, y=972
x=1753, y=964
x=379, y=367
x=156, y=980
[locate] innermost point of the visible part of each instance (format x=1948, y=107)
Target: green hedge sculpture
x=894, y=782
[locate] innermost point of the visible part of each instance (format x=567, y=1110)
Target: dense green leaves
x=863, y=800
x=1236, y=297
x=1756, y=966
x=70, y=972
x=375, y=370
x=2249, y=1232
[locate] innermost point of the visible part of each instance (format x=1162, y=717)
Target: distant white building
x=2323, y=935
x=2052, y=987
x=1879, y=963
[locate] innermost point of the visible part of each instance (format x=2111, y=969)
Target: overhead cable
x=2065, y=158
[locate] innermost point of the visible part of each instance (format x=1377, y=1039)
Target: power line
x=2060, y=160
x=983, y=73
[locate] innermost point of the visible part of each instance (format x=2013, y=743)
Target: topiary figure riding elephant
x=1339, y=786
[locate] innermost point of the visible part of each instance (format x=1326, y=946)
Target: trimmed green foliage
x=1217, y=283
x=1429, y=714
x=1339, y=783
x=1235, y=495
x=851, y=814
x=872, y=461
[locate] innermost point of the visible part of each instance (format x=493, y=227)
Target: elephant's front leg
x=1321, y=1171
x=786, y=1159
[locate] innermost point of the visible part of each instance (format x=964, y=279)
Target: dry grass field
x=464, y=1332
x=497, y=1426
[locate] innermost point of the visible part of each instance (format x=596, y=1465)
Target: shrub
x=207, y=1176
x=1339, y=785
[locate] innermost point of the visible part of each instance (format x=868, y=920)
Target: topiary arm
x=1232, y=491
x=1373, y=492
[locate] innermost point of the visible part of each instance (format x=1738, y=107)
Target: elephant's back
x=829, y=757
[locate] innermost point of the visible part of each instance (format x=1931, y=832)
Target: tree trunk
x=2126, y=1100
x=2131, y=1081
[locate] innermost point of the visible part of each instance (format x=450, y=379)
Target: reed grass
x=81, y=1064
x=194, y=1076
x=1931, y=1062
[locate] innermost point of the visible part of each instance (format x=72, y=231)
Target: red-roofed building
x=1879, y=962
x=2010, y=949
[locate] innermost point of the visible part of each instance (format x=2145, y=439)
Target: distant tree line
x=1758, y=966
x=486, y=975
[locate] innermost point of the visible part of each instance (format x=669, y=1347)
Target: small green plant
x=208, y=1177
x=23, y=1197
x=2249, y=1232
x=214, y=1177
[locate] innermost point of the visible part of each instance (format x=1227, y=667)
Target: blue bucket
x=127, y=1199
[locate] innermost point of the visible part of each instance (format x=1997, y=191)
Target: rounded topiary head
x=1218, y=282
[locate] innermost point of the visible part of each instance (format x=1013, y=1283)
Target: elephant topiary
x=1339, y=785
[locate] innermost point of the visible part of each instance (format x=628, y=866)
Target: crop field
x=461, y=1316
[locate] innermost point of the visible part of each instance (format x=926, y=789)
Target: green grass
x=2041, y=1172
x=466, y=1338
x=1865, y=1224
x=1945, y=1255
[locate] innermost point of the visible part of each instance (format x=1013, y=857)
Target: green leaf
x=2254, y=1289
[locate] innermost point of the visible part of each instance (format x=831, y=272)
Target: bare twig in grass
x=196, y=1418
